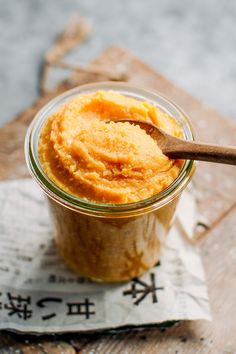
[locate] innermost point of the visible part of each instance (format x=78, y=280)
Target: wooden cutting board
x=216, y=198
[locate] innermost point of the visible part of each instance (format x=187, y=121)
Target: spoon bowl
x=177, y=148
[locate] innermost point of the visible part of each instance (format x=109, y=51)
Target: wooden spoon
x=176, y=148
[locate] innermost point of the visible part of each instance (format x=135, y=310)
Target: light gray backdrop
x=192, y=42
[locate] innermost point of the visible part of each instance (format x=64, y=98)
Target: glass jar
x=109, y=242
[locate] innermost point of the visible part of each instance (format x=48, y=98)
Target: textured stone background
x=193, y=43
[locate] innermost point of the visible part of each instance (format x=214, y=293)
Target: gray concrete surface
x=192, y=42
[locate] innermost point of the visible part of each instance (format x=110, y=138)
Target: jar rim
x=104, y=209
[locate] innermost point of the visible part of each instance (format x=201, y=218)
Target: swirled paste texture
x=104, y=162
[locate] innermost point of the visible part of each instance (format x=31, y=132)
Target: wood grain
x=182, y=149
x=216, y=191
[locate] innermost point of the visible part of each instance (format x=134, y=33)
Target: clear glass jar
x=109, y=242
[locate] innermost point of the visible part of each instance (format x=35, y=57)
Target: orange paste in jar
x=107, y=162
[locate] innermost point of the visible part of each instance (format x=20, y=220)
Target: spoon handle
x=182, y=149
